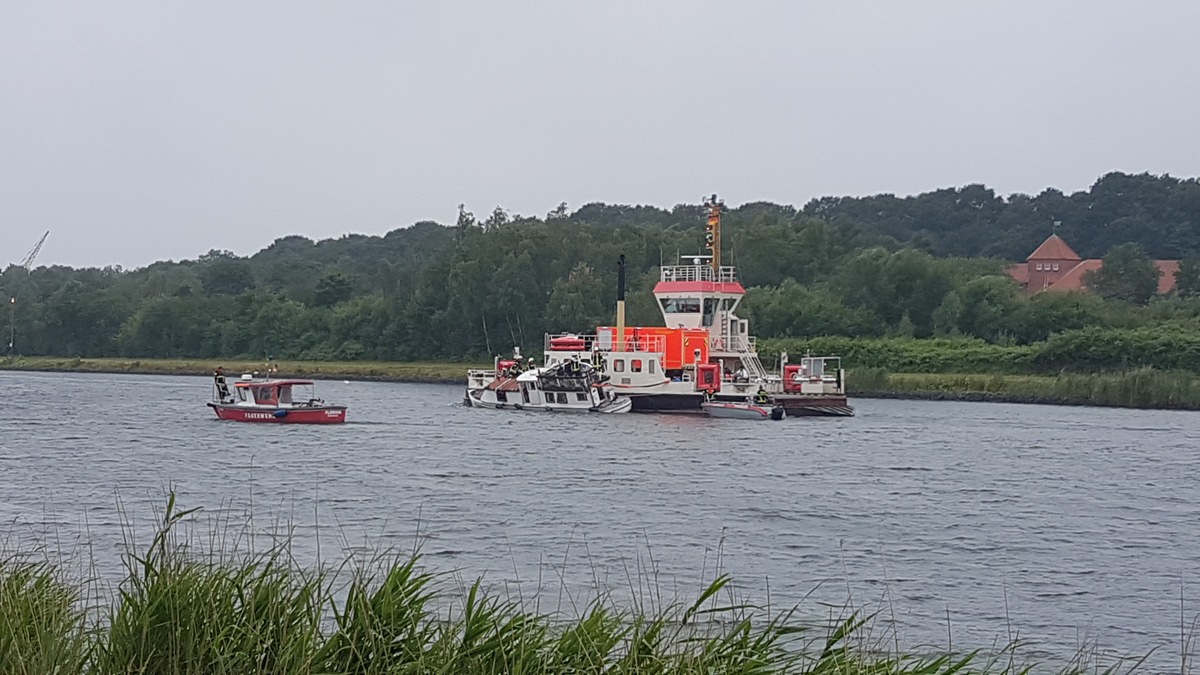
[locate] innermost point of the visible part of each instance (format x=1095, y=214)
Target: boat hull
x=743, y=411
x=796, y=405
x=618, y=405
x=330, y=414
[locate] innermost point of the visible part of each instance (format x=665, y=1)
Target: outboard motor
x=778, y=413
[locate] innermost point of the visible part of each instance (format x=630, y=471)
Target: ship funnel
x=621, y=278
x=620, y=346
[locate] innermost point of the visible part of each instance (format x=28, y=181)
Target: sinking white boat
x=743, y=411
x=568, y=387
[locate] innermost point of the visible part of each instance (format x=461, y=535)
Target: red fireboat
x=275, y=402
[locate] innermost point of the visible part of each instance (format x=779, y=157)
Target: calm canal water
x=1053, y=523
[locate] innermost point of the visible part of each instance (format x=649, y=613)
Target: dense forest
x=927, y=265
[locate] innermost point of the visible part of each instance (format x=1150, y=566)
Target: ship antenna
x=712, y=235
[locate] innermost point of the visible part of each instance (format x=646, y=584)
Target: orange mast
x=712, y=235
x=620, y=304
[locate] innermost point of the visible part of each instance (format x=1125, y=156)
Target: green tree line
x=481, y=285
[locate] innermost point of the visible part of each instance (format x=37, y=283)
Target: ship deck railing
x=725, y=275
x=735, y=344
x=608, y=342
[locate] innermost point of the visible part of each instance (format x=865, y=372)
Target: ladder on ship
x=754, y=367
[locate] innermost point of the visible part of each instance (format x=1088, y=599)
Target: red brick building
x=1054, y=266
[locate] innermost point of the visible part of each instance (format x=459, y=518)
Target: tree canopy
x=927, y=265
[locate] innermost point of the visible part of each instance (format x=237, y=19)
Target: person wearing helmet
x=219, y=381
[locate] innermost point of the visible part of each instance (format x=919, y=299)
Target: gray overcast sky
x=158, y=130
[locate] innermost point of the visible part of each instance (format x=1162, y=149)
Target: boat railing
x=819, y=366
x=726, y=274
x=733, y=343
x=607, y=342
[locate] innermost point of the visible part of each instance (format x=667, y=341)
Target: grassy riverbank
x=187, y=607
x=350, y=370
x=1140, y=388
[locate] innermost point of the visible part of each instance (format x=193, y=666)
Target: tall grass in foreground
x=184, y=611
x=42, y=626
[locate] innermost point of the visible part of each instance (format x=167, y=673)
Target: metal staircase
x=754, y=367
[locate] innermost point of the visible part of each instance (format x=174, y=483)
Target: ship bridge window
x=681, y=305
x=618, y=365
x=710, y=308
x=635, y=365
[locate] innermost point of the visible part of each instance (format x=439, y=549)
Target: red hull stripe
x=324, y=415
x=698, y=287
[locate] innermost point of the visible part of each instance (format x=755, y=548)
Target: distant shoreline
x=377, y=371
x=1167, y=391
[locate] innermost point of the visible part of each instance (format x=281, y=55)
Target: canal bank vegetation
x=1087, y=350
x=336, y=370
x=228, y=608
x=1141, y=388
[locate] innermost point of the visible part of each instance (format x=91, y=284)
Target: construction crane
x=27, y=263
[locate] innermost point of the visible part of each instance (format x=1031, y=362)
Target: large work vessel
x=703, y=347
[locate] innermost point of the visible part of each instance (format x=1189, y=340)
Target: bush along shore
x=1143, y=387
x=191, y=609
x=443, y=373
x=1140, y=388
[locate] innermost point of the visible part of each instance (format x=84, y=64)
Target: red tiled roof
x=1166, y=277
x=1054, y=248
x=1073, y=279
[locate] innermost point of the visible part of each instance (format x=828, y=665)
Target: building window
x=1037, y=266
x=1055, y=267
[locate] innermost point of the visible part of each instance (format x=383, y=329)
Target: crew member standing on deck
x=598, y=360
x=219, y=380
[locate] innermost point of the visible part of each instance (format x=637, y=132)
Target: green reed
x=1139, y=388
x=42, y=625
x=184, y=610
